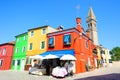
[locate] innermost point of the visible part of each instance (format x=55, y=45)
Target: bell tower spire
x=91, y=22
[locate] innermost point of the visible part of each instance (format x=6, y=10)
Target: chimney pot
x=78, y=20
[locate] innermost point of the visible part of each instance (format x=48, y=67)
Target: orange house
x=73, y=39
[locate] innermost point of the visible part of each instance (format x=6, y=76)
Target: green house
x=19, y=56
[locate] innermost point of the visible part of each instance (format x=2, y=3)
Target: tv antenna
x=78, y=9
x=46, y=21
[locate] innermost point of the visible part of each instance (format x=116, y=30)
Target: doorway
x=23, y=64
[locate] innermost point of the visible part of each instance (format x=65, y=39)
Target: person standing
x=70, y=68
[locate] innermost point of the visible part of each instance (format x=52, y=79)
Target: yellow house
x=37, y=38
x=99, y=56
x=37, y=43
x=103, y=56
x=98, y=60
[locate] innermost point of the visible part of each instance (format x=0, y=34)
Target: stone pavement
x=104, y=73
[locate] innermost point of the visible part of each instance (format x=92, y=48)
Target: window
x=95, y=51
x=0, y=51
x=31, y=33
x=42, y=44
x=110, y=60
x=4, y=51
x=23, y=49
x=51, y=42
x=16, y=50
x=102, y=52
x=1, y=61
x=24, y=37
x=18, y=39
x=86, y=44
x=67, y=39
x=43, y=31
x=28, y=60
x=18, y=62
x=13, y=63
x=90, y=24
x=30, y=46
x=89, y=62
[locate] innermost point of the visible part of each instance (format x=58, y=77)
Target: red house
x=6, y=53
x=73, y=40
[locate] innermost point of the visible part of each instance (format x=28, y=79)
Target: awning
x=58, y=53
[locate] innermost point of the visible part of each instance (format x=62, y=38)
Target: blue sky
x=17, y=16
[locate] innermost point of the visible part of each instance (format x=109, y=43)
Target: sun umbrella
x=50, y=56
x=36, y=57
x=68, y=57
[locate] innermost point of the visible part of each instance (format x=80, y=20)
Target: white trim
x=29, y=46
x=68, y=32
x=45, y=31
x=89, y=62
x=24, y=37
x=41, y=45
x=54, y=40
x=18, y=39
x=70, y=38
x=4, y=51
x=1, y=62
x=63, y=32
x=23, y=49
x=22, y=64
x=16, y=50
x=31, y=33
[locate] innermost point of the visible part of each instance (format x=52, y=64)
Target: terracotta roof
x=38, y=27
x=21, y=34
x=9, y=43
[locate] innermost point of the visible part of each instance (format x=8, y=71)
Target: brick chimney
x=79, y=27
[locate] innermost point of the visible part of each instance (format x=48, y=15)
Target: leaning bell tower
x=91, y=22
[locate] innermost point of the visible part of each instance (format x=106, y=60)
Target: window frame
x=13, y=62
x=4, y=51
x=18, y=39
x=86, y=44
x=53, y=43
x=69, y=42
x=18, y=62
x=24, y=37
x=23, y=49
x=17, y=49
x=31, y=33
x=41, y=45
x=28, y=60
x=1, y=62
x=30, y=46
x=43, y=31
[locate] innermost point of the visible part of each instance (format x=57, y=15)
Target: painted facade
x=6, y=53
x=75, y=39
x=105, y=56
x=37, y=41
x=19, y=57
x=92, y=28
